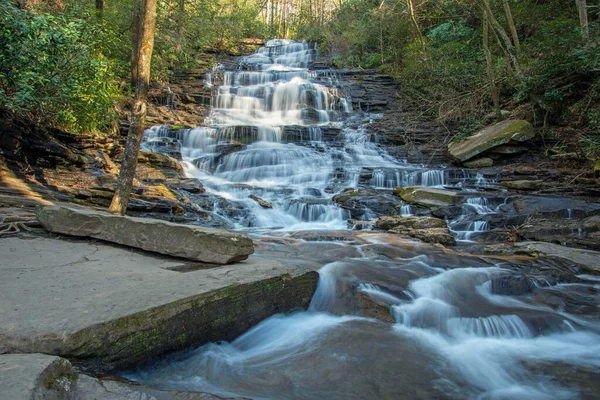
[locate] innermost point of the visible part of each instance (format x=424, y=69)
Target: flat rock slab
x=121, y=307
x=33, y=376
x=588, y=258
x=429, y=197
x=207, y=245
x=502, y=133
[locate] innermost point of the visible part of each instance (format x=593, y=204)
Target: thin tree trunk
x=180, y=18
x=417, y=29
x=490, y=66
x=507, y=42
x=100, y=5
x=136, y=34
x=513, y=28
x=583, y=19
x=145, y=44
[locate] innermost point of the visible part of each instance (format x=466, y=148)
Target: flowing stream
x=287, y=134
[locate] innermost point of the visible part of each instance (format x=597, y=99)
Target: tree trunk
x=583, y=20
x=180, y=18
x=417, y=29
x=490, y=66
x=502, y=33
x=144, y=44
x=513, y=28
x=136, y=34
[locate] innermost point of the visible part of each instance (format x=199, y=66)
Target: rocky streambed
x=445, y=271
x=464, y=270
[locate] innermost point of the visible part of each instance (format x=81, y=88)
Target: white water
x=273, y=114
x=452, y=336
x=469, y=343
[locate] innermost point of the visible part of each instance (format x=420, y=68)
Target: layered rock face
x=207, y=245
x=504, y=137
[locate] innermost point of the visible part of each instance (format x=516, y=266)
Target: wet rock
x=523, y=184
x=499, y=134
x=190, y=186
x=484, y=162
x=158, y=166
x=186, y=241
x=263, y=203
x=587, y=258
x=427, y=229
x=554, y=206
x=508, y=149
x=450, y=212
x=411, y=222
x=512, y=285
x=431, y=235
x=372, y=308
x=361, y=201
x=576, y=299
x=428, y=197
x=36, y=376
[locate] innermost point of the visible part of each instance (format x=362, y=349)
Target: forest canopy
x=66, y=63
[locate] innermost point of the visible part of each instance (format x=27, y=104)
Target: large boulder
x=427, y=229
x=505, y=132
x=196, y=243
x=429, y=197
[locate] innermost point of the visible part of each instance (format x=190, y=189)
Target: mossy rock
x=509, y=131
x=428, y=197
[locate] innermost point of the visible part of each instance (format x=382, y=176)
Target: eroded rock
x=427, y=229
x=261, y=202
x=499, y=134
x=196, y=243
x=428, y=197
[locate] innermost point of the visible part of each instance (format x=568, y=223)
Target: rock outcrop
x=428, y=197
x=427, y=229
x=207, y=245
x=502, y=133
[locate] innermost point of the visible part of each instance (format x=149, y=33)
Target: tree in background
x=143, y=44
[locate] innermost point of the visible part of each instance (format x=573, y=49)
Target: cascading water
x=264, y=137
x=452, y=338
x=448, y=332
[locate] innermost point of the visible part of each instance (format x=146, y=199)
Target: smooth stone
x=523, y=184
x=588, y=258
x=412, y=222
x=261, y=202
x=508, y=149
x=117, y=307
x=207, y=245
x=428, y=197
x=484, y=162
x=429, y=235
x=36, y=376
x=495, y=135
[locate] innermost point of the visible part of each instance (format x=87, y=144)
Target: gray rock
x=484, y=162
x=501, y=133
x=196, y=243
x=427, y=229
x=587, y=258
x=523, y=184
x=508, y=149
x=36, y=376
x=428, y=197
x=119, y=308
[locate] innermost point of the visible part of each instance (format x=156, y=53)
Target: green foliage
x=449, y=32
x=52, y=70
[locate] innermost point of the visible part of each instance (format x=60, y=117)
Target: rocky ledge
x=114, y=307
x=207, y=245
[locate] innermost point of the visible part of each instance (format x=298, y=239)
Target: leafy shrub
x=53, y=72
